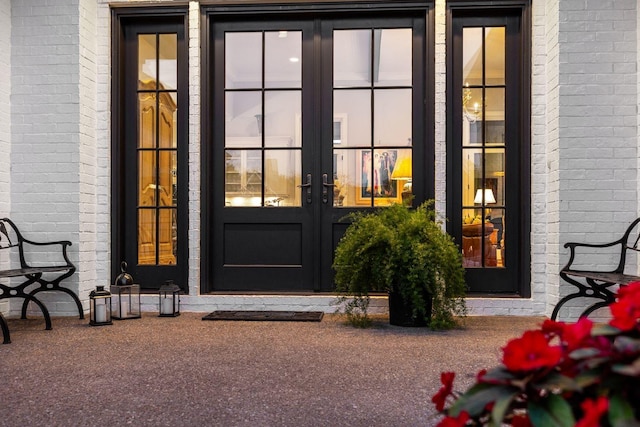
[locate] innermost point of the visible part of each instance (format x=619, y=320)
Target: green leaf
x=555, y=380
x=620, y=412
x=553, y=411
x=584, y=353
x=476, y=399
x=498, y=374
x=587, y=378
x=631, y=370
x=626, y=344
x=604, y=329
x=500, y=409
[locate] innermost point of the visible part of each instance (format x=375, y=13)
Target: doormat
x=292, y=316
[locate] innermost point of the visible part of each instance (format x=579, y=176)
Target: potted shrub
x=406, y=253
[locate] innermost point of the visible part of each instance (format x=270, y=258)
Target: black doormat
x=292, y=316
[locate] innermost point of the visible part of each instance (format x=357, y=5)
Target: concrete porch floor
x=187, y=372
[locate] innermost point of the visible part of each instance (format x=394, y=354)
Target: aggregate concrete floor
x=184, y=371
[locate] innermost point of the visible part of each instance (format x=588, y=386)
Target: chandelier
x=470, y=110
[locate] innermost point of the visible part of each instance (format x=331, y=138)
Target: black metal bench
x=36, y=278
x=596, y=284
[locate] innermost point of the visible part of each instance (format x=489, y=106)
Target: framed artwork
x=374, y=177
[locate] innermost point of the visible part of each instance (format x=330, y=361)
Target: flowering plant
x=563, y=374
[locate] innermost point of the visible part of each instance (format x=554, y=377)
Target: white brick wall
x=87, y=17
x=5, y=119
x=49, y=168
x=5, y=106
x=596, y=122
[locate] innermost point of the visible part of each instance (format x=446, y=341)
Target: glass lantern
x=169, y=304
x=126, y=296
x=100, y=307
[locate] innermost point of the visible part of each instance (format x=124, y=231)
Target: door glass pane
x=167, y=178
x=283, y=110
x=472, y=116
x=243, y=60
x=243, y=118
x=147, y=120
x=147, y=70
x=495, y=55
x=351, y=177
x=282, y=169
x=168, y=61
x=167, y=120
x=146, y=177
x=351, y=58
x=283, y=59
x=402, y=175
x=386, y=190
x=494, y=115
x=392, y=57
x=472, y=56
x=392, y=117
x=243, y=178
x=147, y=236
x=353, y=107
x=167, y=237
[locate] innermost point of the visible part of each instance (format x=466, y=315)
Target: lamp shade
x=488, y=196
x=402, y=169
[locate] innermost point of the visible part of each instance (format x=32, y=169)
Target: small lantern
x=126, y=296
x=100, y=307
x=169, y=299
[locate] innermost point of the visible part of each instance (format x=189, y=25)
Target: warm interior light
x=488, y=196
x=402, y=170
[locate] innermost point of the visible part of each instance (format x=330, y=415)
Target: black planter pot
x=400, y=311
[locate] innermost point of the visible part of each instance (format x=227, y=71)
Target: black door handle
x=307, y=185
x=325, y=187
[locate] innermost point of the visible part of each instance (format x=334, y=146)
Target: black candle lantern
x=100, y=307
x=169, y=304
x=126, y=296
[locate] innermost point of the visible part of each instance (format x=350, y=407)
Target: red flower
x=552, y=328
x=481, y=373
x=447, y=385
x=626, y=311
x=458, y=421
x=575, y=334
x=531, y=351
x=593, y=411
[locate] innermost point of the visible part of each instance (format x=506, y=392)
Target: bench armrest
x=573, y=245
x=63, y=243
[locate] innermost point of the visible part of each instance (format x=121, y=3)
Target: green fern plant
x=405, y=250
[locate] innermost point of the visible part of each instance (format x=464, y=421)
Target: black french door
x=311, y=119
